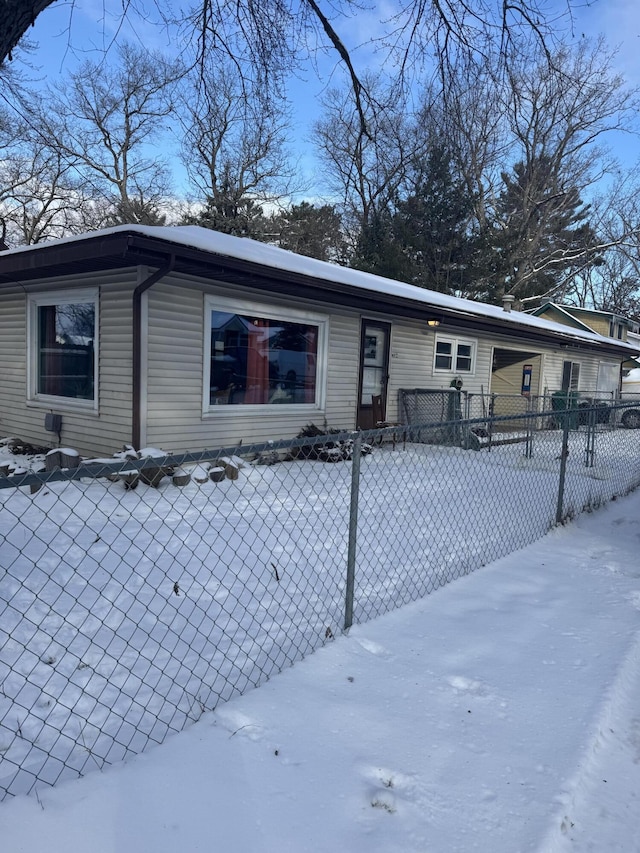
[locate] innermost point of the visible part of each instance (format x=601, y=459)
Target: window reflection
x=262, y=361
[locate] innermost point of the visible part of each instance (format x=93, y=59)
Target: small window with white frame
x=454, y=355
x=257, y=355
x=63, y=348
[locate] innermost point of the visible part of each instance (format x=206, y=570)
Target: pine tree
x=541, y=234
x=434, y=227
x=310, y=230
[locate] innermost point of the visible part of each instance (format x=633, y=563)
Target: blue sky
x=69, y=31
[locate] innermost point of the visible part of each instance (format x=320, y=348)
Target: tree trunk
x=18, y=15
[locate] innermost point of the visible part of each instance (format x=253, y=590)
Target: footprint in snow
x=373, y=648
x=467, y=685
x=392, y=790
x=239, y=724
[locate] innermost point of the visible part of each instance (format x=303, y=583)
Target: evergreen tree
x=228, y=210
x=429, y=238
x=433, y=226
x=310, y=230
x=377, y=250
x=541, y=233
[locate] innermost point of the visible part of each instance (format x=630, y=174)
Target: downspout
x=137, y=346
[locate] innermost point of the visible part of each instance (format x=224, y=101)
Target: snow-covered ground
x=500, y=713
x=125, y=614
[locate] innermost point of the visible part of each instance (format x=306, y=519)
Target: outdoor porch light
x=433, y=322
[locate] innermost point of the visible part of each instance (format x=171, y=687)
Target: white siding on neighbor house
x=88, y=432
x=589, y=364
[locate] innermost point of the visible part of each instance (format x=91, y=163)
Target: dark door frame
x=364, y=411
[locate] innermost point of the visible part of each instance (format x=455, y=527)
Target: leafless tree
x=272, y=37
x=233, y=145
x=39, y=190
x=103, y=121
x=366, y=171
x=40, y=197
x=559, y=115
x=614, y=284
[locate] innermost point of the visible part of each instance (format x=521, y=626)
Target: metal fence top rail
x=96, y=468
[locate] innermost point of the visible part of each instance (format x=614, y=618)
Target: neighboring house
x=185, y=339
x=631, y=371
x=606, y=323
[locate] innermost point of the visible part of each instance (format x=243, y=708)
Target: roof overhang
x=120, y=247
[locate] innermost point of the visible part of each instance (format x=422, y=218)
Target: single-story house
x=185, y=339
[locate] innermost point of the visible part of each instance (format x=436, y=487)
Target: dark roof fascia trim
x=140, y=249
x=262, y=277
x=56, y=255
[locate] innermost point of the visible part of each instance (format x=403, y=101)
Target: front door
x=374, y=369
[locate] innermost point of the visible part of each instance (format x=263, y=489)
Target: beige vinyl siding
x=506, y=381
x=175, y=379
x=90, y=433
x=472, y=383
x=13, y=372
x=599, y=324
x=174, y=359
x=479, y=381
x=343, y=364
x=410, y=362
x=173, y=362
x=507, y=378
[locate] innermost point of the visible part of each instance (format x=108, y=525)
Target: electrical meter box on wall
x=53, y=423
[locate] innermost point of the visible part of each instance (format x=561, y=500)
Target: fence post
x=528, y=447
x=590, y=449
x=564, y=453
x=353, y=529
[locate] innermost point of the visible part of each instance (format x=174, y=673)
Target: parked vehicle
x=631, y=419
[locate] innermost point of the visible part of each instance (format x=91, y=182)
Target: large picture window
x=63, y=347
x=258, y=359
x=454, y=355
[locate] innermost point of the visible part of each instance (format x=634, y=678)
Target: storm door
x=374, y=370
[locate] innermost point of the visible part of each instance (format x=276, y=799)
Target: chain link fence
x=139, y=592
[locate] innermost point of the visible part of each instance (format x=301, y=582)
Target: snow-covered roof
x=560, y=309
x=632, y=376
x=274, y=258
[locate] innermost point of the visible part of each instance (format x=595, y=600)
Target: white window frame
x=268, y=312
x=574, y=375
x=60, y=297
x=455, y=343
